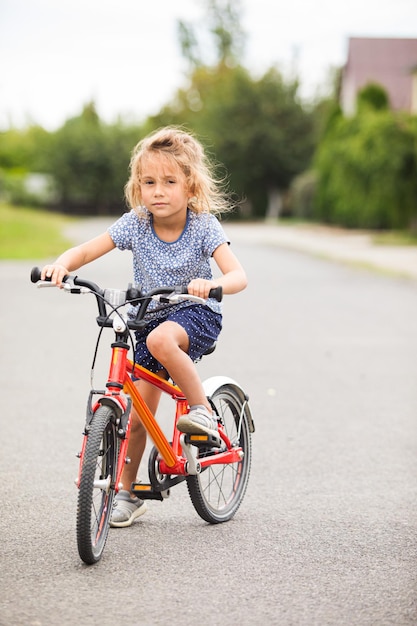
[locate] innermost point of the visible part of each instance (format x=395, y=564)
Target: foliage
x=257, y=126
x=364, y=170
x=222, y=20
x=84, y=163
x=90, y=163
x=27, y=188
x=23, y=150
x=373, y=96
x=367, y=167
x=260, y=131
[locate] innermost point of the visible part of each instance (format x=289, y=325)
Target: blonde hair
x=183, y=150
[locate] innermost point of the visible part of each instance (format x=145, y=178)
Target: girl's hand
x=201, y=287
x=55, y=272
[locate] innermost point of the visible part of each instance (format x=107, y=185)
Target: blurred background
x=311, y=109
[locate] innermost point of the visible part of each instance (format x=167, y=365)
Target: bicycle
x=216, y=469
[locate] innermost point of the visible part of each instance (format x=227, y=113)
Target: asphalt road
x=326, y=534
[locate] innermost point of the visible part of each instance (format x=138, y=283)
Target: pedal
x=146, y=492
x=204, y=441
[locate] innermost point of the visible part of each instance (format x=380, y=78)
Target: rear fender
x=216, y=382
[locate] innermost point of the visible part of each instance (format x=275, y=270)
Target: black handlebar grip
x=216, y=293
x=35, y=275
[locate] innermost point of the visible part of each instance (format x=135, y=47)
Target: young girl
x=172, y=233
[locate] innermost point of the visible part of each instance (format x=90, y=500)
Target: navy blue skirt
x=201, y=324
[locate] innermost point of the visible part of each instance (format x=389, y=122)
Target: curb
x=355, y=248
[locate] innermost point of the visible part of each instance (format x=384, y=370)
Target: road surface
x=326, y=534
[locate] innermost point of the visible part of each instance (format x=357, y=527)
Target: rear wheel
x=96, y=488
x=218, y=490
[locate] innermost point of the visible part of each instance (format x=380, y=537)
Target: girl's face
x=164, y=189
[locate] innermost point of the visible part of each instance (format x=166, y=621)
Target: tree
x=374, y=97
x=367, y=171
x=89, y=161
x=258, y=129
x=24, y=150
x=222, y=20
x=23, y=158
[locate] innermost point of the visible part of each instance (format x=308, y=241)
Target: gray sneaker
x=198, y=422
x=126, y=510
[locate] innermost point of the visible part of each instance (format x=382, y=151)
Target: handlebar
x=133, y=295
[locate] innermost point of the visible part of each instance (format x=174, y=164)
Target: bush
x=374, y=97
x=367, y=172
x=31, y=189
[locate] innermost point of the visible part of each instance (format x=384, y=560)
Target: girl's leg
x=128, y=508
x=137, y=440
x=169, y=343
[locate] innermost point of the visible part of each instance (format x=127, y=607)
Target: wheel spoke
x=96, y=492
x=218, y=491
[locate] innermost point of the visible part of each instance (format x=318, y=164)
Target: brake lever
x=44, y=283
x=70, y=287
x=175, y=298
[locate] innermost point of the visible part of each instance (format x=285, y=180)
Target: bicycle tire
x=95, y=502
x=217, y=492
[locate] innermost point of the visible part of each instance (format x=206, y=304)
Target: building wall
x=387, y=62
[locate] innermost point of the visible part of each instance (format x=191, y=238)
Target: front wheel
x=218, y=491
x=96, y=488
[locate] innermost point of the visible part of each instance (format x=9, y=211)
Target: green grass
x=31, y=233
x=395, y=238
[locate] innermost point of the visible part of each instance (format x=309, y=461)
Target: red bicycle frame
x=172, y=460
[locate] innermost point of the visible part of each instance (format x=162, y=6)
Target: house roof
x=389, y=62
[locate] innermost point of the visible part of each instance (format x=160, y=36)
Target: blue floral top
x=158, y=263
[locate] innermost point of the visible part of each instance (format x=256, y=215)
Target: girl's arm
x=74, y=258
x=233, y=279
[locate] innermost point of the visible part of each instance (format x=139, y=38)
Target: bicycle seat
x=210, y=349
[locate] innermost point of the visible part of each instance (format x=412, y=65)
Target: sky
x=57, y=55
